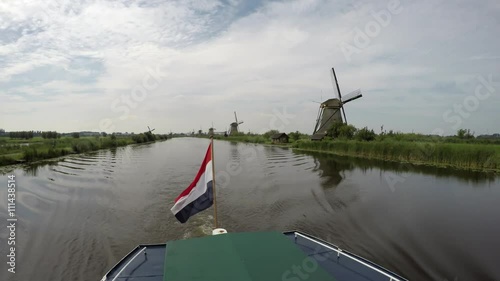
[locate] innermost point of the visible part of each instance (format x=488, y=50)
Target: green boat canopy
x=258, y=256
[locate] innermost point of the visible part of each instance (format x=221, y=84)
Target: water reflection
x=235, y=155
x=31, y=170
x=331, y=169
x=334, y=164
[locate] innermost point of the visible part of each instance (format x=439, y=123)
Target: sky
x=428, y=66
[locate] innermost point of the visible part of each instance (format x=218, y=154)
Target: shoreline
x=471, y=157
x=38, y=151
x=427, y=164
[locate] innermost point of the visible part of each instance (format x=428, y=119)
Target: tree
x=347, y=131
x=149, y=136
x=365, y=134
x=2, y=132
x=295, y=136
x=334, y=129
x=49, y=135
x=76, y=135
x=21, y=135
x=465, y=134
x=269, y=133
x=342, y=130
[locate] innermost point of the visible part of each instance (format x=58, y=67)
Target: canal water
x=80, y=215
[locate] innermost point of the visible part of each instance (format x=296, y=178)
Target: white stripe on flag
x=197, y=191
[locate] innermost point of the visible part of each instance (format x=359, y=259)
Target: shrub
x=365, y=134
x=294, y=136
x=269, y=133
x=347, y=131
x=30, y=154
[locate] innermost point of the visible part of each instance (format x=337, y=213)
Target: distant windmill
x=329, y=110
x=150, y=131
x=211, y=130
x=234, y=126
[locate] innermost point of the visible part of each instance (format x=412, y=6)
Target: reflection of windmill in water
x=234, y=126
x=329, y=110
x=332, y=171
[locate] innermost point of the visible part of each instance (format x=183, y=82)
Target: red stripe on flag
x=208, y=157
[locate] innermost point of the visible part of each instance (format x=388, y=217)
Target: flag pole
x=213, y=180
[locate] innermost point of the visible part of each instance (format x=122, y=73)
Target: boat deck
x=147, y=262
x=341, y=264
x=144, y=263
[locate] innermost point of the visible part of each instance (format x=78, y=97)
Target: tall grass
x=39, y=149
x=460, y=155
x=32, y=153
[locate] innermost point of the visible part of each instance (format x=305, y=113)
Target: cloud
x=215, y=57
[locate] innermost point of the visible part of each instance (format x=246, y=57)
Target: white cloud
x=215, y=63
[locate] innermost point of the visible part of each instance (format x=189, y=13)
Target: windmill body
x=234, y=129
x=329, y=114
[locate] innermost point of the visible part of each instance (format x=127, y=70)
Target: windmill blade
x=352, y=96
x=241, y=122
x=343, y=112
x=336, y=83
x=317, y=121
x=235, y=117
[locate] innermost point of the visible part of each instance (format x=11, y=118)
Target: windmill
x=329, y=110
x=234, y=126
x=150, y=131
x=211, y=130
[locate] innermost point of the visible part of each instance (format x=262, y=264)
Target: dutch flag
x=199, y=195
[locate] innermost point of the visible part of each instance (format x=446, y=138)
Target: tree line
x=147, y=137
x=22, y=135
x=31, y=134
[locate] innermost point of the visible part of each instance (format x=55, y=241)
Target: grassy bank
x=463, y=150
x=470, y=154
x=13, y=151
x=245, y=138
x=459, y=155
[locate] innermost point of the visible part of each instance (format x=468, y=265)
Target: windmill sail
x=336, y=90
x=352, y=96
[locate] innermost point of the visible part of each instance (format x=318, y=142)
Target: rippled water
x=79, y=216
